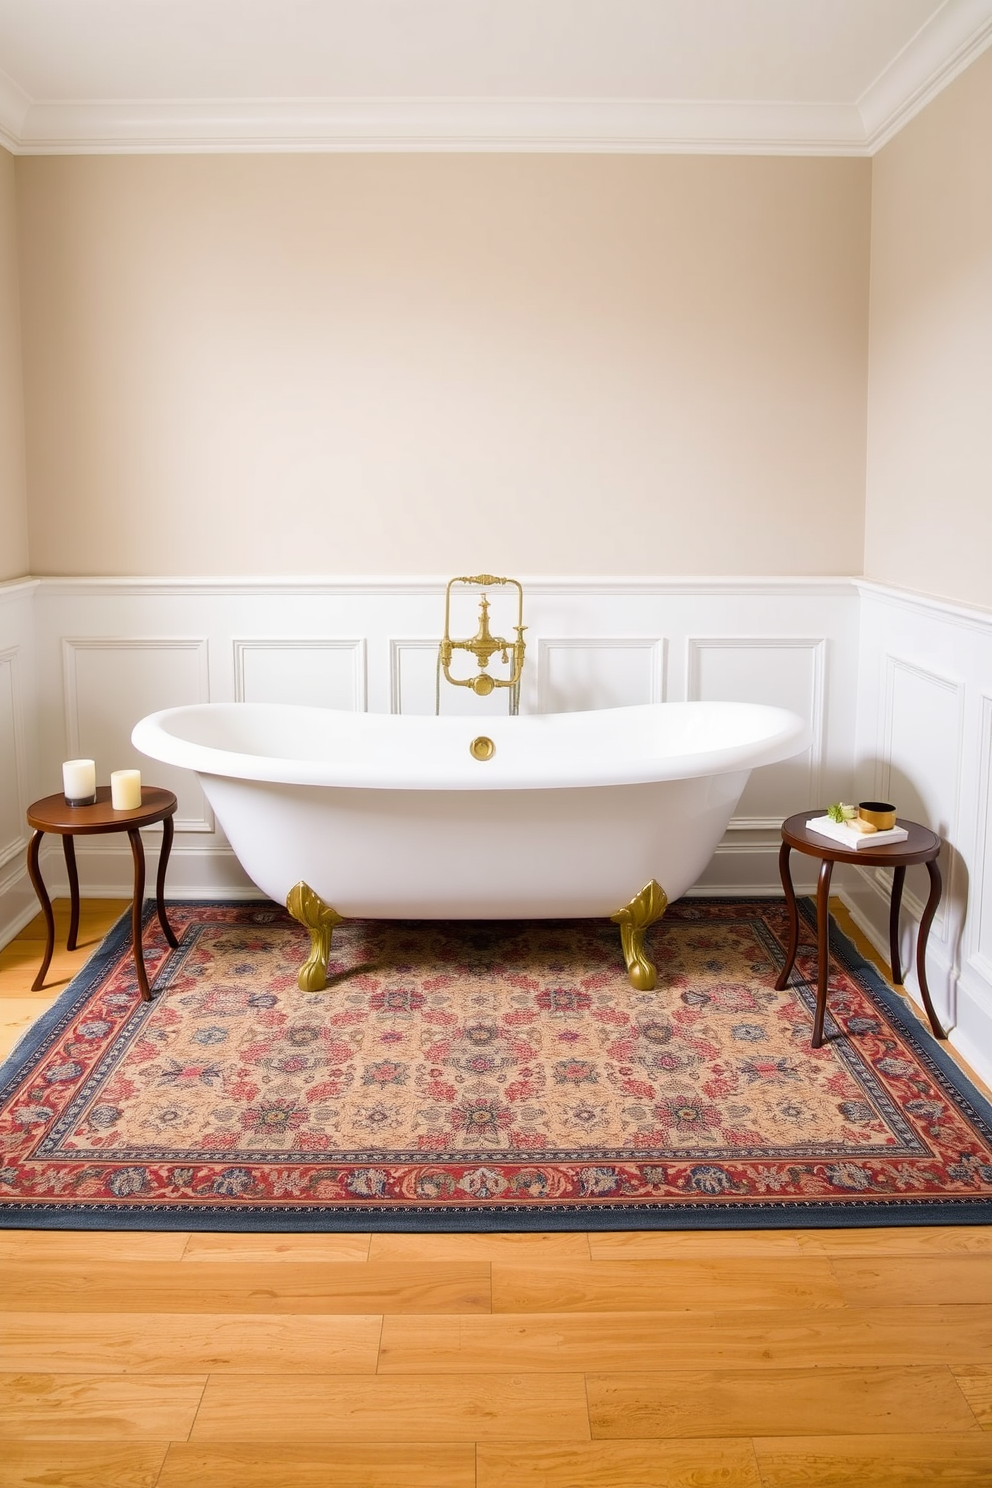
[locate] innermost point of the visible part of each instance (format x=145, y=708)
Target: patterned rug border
x=706, y=1214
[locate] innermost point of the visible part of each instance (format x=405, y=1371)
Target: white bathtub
x=393, y=817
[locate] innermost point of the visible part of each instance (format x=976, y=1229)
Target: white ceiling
x=758, y=76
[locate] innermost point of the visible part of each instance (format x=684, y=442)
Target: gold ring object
x=881, y=814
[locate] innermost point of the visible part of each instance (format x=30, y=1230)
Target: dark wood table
x=53, y=815
x=921, y=846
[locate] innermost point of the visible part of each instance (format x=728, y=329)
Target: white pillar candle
x=79, y=781
x=125, y=789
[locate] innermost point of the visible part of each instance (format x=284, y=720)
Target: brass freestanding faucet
x=484, y=645
x=634, y=919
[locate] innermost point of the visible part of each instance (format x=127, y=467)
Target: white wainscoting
x=924, y=741
x=788, y=671
x=575, y=673
x=416, y=687
x=981, y=895
x=14, y=763
x=316, y=671
x=111, y=681
x=18, y=746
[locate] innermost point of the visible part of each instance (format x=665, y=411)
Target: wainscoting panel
x=316, y=672
x=919, y=768
x=18, y=752
x=577, y=673
x=13, y=836
x=924, y=728
x=981, y=957
x=110, y=683
x=785, y=672
x=414, y=686
x=920, y=748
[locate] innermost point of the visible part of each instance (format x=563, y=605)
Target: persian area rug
x=484, y=1076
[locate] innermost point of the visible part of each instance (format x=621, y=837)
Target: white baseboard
x=106, y=871
x=18, y=907
x=972, y=1037
x=734, y=891
x=751, y=868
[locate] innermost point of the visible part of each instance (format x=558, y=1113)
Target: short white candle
x=79, y=780
x=125, y=789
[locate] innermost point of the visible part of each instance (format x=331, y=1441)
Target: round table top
x=921, y=846
x=51, y=814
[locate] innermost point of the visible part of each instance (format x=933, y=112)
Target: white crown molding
x=634, y=126
x=14, y=105
x=948, y=43
x=950, y=39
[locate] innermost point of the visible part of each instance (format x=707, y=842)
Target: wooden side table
x=921, y=846
x=53, y=815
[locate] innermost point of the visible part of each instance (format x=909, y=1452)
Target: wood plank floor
x=755, y=1359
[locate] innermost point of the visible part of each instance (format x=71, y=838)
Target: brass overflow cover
x=482, y=748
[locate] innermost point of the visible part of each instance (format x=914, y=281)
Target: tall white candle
x=125, y=789
x=79, y=781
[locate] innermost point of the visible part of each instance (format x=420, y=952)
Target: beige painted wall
x=929, y=483
x=403, y=364
x=13, y=490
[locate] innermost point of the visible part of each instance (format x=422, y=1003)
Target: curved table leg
x=784, y=869
x=822, y=947
x=921, y=947
x=895, y=962
x=138, y=853
x=168, y=832
x=69, y=853
x=34, y=873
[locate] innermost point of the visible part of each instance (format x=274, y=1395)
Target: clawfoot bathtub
x=613, y=812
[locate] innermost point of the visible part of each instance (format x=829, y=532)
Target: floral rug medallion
x=484, y=1075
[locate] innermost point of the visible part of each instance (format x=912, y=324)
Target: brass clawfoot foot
x=320, y=919
x=649, y=905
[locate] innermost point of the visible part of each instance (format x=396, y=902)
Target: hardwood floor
x=764, y=1359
